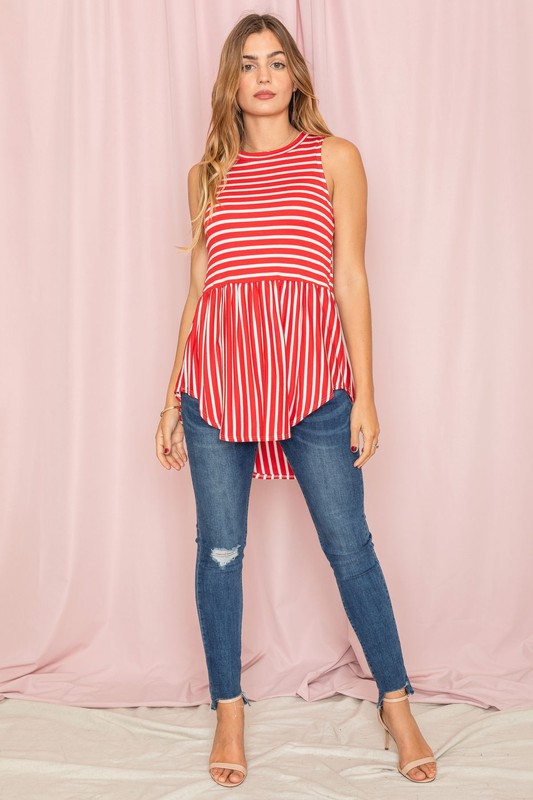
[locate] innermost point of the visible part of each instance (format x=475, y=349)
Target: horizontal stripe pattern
x=266, y=346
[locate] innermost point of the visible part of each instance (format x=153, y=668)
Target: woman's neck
x=255, y=147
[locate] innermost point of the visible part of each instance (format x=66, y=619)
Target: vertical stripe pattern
x=266, y=346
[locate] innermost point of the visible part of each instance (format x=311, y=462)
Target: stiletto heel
x=410, y=764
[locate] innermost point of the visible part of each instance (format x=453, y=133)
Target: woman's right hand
x=170, y=437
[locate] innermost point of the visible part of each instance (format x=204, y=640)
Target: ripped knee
x=222, y=556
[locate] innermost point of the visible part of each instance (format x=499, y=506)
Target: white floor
x=331, y=748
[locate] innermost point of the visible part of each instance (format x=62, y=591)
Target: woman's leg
x=221, y=474
x=320, y=455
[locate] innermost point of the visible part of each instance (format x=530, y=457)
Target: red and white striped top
x=266, y=346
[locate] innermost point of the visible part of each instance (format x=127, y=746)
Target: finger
x=177, y=457
x=355, y=446
x=161, y=457
x=181, y=453
x=178, y=454
x=176, y=463
x=160, y=450
x=368, y=450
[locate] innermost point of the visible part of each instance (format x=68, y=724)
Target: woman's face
x=264, y=68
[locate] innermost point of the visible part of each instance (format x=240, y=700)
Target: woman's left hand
x=364, y=418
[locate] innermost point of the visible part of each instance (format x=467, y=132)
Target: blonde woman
x=273, y=377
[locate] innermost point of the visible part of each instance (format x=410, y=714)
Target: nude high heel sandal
x=227, y=764
x=410, y=764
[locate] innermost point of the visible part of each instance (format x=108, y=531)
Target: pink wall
x=105, y=108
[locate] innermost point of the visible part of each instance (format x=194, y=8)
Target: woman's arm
x=345, y=175
x=344, y=168
x=197, y=280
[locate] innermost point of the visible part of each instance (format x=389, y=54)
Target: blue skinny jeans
x=221, y=474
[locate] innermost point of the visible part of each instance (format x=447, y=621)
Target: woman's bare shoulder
x=342, y=161
x=194, y=173
x=341, y=151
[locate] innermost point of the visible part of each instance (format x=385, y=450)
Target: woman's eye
x=275, y=64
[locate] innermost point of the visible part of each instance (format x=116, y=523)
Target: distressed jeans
x=320, y=455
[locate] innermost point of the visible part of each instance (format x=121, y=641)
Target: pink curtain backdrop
x=105, y=108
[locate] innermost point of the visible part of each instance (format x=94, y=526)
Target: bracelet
x=168, y=408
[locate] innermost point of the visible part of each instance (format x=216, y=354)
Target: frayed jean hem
x=245, y=700
x=408, y=689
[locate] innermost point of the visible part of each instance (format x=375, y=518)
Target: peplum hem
x=259, y=357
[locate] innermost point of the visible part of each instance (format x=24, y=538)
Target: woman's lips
x=264, y=95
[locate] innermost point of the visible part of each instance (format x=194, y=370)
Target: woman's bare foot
x=228, y=744
x=409, y=740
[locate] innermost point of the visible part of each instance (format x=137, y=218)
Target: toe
x=420, y=773
x=236, y=776
x=417, y=774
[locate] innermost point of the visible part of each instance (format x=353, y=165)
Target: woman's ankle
x=231, y=699
x=396, y=693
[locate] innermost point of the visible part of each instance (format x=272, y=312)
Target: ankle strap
x=231, y=699
x=394, y=699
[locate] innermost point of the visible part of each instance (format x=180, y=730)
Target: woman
x=263, y=371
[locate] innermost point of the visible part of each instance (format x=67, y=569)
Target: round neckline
x=277, y=150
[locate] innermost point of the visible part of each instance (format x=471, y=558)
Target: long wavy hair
x=226, y=129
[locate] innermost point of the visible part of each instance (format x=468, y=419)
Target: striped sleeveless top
x=266, y=347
